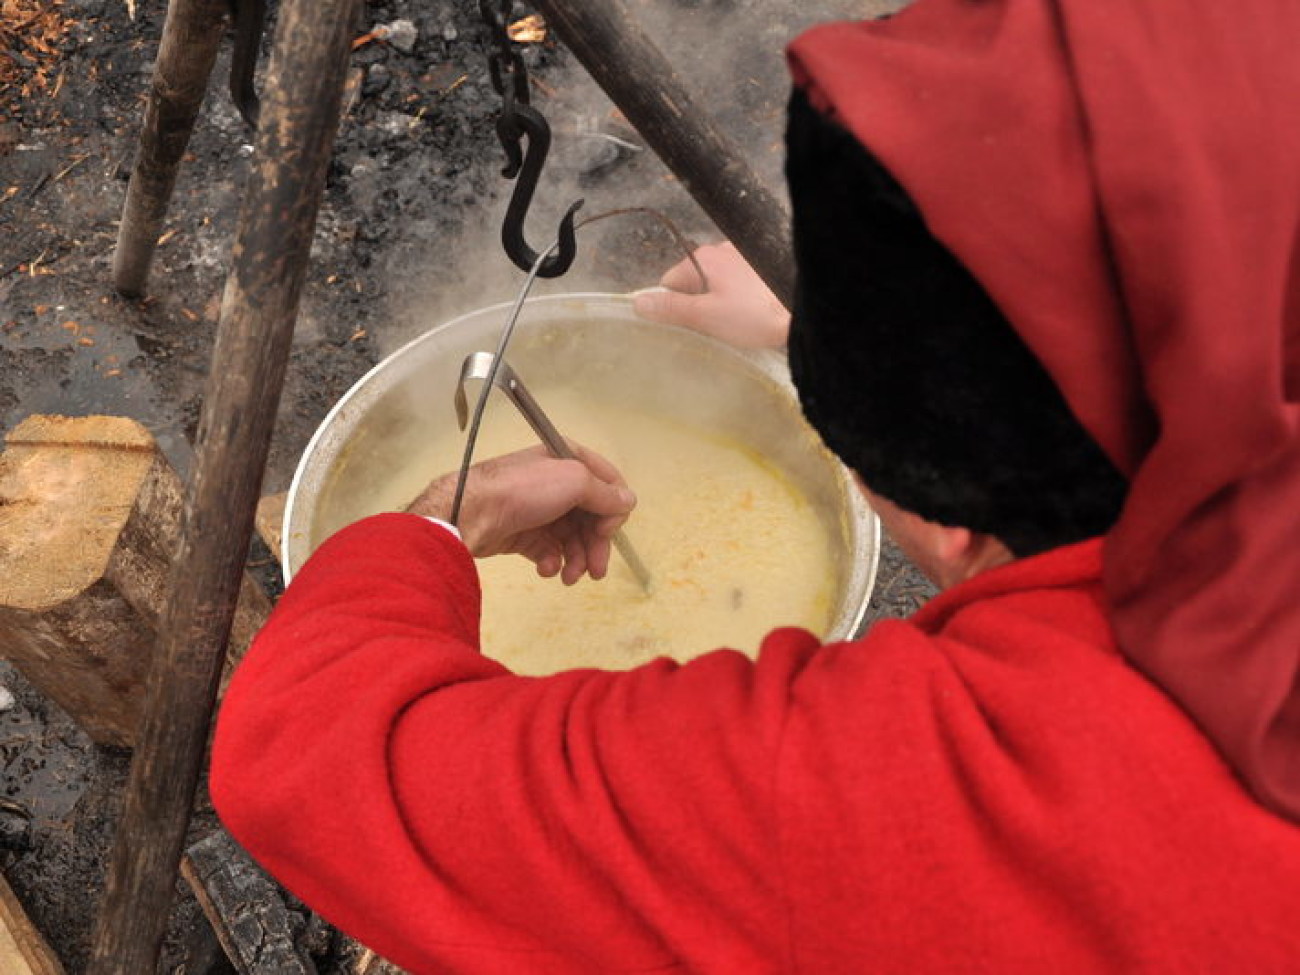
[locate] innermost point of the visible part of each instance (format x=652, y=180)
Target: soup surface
x=733, y=547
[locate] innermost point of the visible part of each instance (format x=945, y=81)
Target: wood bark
x=260, y=927
x=245, y=908
x=654, y=98
x=300, y=115
x=23, y=950
x=186, y=53
x=90, y=515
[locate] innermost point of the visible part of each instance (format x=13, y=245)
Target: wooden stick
x=640, y=81
x=300, y=116
x=186, y=53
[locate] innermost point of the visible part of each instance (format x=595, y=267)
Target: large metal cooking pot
x=597, y=343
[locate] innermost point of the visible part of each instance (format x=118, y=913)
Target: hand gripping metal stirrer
x=480, y=366
x=495, y=363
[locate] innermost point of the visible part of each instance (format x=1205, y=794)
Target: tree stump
x=89, y=526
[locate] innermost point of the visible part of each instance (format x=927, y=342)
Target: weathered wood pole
x=642, y=83
x=186, y=54
x=300, y=116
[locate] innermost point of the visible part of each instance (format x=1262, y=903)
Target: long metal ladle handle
x=478, y=365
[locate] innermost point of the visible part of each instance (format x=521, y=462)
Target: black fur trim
x=910, y=372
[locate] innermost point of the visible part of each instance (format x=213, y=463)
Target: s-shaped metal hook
x=517, y=121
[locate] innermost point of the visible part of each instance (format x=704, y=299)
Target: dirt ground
x=406, y=239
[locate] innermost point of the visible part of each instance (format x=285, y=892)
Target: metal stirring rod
x=478, y=365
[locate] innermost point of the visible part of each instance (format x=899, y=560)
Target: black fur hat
x=912, y=375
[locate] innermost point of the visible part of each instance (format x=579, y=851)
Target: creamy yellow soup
x=734, y=549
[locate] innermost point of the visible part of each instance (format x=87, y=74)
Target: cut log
x=269, y=521
x=89, y=527
x=245, y=908
x=258, y=925
x=22, y=949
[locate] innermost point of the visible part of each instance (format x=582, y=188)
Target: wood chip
x=528, y=30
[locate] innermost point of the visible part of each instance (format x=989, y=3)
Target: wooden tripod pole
x=186, y=54
x=300, y=116
x=640, y=81
x=299, y=119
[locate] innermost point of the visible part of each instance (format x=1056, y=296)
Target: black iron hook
x=517, y=121
x=249, y=18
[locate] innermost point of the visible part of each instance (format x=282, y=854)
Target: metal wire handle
x=480, y=404
x=683, y=242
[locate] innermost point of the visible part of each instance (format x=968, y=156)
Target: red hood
x=1123, y=178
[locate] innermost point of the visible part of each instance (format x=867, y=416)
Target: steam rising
x=731, y=55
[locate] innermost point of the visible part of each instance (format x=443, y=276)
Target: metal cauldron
x=594, y=342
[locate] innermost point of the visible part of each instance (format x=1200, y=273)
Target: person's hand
x=560, y=514
x=737, y=308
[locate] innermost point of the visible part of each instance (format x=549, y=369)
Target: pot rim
x=770, y=362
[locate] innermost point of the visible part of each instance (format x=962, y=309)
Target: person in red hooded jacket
x=1048, y=310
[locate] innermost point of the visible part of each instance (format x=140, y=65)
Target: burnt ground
x=406, y=238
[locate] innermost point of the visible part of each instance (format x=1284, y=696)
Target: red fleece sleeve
x=456, y=817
